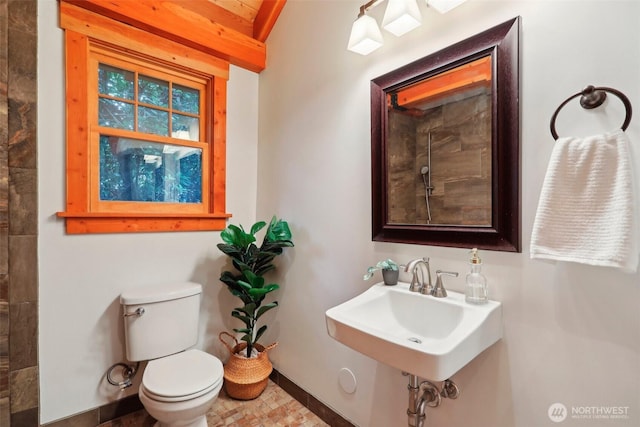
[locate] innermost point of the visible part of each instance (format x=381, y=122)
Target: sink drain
x=415, y=340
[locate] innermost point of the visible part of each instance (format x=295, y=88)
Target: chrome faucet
x=416, y=284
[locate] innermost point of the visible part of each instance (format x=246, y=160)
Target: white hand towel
x=586, y=212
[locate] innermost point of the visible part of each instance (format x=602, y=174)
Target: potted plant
x=248, y=284
x=389, y=270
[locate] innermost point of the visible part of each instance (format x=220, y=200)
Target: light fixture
x=401, y=17
x=365, y=35
x=444, y=6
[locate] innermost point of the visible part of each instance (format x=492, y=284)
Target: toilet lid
x=182, y=374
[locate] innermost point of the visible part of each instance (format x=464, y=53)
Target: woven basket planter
x=246, y=379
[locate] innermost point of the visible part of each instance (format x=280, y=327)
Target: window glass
x=153, y=91
x=115, y=82
x=135, y=170
x=153, y=121
x=185, y=127
x=185, y=99
x=115, y=114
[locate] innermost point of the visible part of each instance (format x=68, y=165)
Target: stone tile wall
x=19, y=397
x=4, y=223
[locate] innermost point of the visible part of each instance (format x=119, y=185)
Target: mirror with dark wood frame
x=445, y=146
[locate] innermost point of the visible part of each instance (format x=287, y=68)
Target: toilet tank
x=160, y=320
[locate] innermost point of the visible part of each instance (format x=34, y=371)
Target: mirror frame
x=504, y=234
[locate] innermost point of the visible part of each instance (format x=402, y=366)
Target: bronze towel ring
x=593, y=97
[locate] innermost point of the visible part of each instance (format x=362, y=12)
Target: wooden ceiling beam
x=171, y=20
x=266, y=18
x=217, y=13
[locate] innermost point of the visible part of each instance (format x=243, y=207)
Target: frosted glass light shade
x=401, y=17
x=365, y=36
x=444, y=6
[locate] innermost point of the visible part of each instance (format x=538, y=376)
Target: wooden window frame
x=85, y=31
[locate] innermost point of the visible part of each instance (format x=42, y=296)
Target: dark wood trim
x=131, y=404
x=102, y=414
x=325, y=413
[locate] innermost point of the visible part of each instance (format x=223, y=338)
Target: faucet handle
x=439, y=291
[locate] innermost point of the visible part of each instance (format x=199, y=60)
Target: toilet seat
x=182, y=376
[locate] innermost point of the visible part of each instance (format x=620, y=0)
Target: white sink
x=430, y=337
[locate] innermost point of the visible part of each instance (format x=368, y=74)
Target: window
x=145, y=131
x=149, y=130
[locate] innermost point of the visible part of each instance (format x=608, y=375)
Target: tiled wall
x=460, y=164
x=18, y=214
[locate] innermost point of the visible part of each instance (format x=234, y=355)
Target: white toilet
x=179, y=384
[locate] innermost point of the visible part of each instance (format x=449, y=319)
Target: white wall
x=81, y=277
x=572, y=332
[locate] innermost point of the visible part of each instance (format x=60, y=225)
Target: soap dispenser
x=476, y=292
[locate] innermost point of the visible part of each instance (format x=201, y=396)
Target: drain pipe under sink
x=423, y=394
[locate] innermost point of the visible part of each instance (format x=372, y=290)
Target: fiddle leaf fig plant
x=251, y=262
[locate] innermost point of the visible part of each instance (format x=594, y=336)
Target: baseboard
x=104, y=413
x=132, y=404
x=325, y=413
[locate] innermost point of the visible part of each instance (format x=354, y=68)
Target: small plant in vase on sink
x=389, y=270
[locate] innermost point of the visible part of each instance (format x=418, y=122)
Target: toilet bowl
x=178, y=390
x=180, y=383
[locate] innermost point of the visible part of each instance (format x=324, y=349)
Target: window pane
x=153, y=121
x=135, y=170
x=153, y=91
x=115, y=82
x=115, y=114
x=185, y=99
x=185, y=127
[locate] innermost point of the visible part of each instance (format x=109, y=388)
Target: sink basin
x=430, y=337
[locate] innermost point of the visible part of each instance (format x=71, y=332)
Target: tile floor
x=274, y=408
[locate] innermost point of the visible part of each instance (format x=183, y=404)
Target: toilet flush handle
x=139, y=312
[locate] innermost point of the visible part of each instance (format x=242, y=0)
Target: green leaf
x=257, y=292
x=248, y=309
x=278, y=231
x=242, y=331
x=245, y=319
x=232, y=284
x=240, y=265
x=245, y=286
x=228, y=235
x=266, y=308
x=262, y=270
x=272, y=287
x=254, y=280
x=257, y=227
x=230, y=250
x=236, y=236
